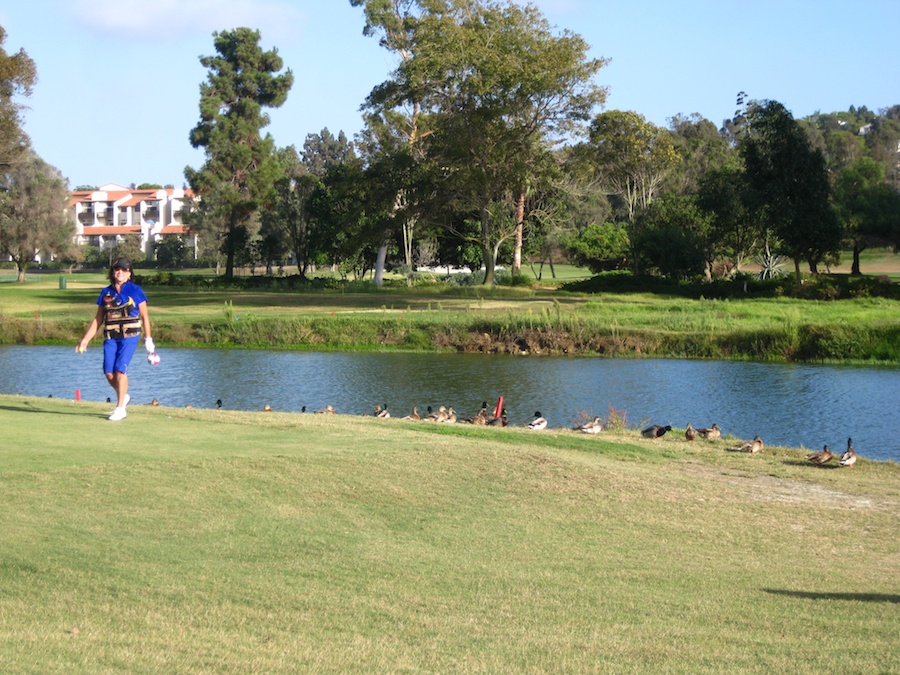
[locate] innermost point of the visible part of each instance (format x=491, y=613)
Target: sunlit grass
x=217, y=541
x=502, y=319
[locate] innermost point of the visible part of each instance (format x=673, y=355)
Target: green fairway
x=198, y=541
x=512, y=320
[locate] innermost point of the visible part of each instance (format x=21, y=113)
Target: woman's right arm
x=91, y=331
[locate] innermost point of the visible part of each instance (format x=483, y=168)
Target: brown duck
x=501, y=421
x=754, y=446
x=849, y=456
x=823, y=456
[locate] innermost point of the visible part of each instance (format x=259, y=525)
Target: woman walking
x=122, y=307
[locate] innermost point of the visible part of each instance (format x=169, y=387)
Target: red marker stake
x=78, y=394
x=499, y=408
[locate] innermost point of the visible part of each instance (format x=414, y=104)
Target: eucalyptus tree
x=701, y=148
x=18, y=76
x=883, y=142
x=497, y=89
x=868, y=207
x=33, y=212
x=240, y=168
x=735, y=229
x=289, y=216
x=324, y=150
x=394, y=128
x=790, y=187
x=351, y=210
x=629, y=157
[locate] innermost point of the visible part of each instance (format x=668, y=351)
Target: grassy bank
x=490, y=320
x=217, y=541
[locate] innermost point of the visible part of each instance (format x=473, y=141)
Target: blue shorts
x=117, y=354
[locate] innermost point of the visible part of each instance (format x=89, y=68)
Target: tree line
x=488, y=143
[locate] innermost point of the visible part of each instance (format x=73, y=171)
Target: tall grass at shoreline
x=780, y=330
x=210, y=540
x=490, y=320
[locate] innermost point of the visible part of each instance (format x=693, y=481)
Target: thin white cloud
x=169, y=20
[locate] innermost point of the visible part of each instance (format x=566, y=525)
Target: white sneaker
x=127, y=400
x=117, y=414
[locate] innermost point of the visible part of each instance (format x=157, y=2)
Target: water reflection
x=794, y=405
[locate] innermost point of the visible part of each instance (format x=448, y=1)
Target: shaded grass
x=209, y=540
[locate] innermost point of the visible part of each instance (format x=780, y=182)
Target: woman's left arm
x=145, y=321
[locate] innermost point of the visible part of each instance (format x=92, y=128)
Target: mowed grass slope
x=217, y=541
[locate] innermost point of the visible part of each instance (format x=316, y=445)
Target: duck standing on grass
x=538, y=423
x=656, y=431
x=690, y=433
x=821, y=457
x=849, y=456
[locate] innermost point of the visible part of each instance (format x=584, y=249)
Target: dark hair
x=120, y=263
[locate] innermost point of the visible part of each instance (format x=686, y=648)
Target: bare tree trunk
x=487, y=253
x=520, y=222
x=379, y=261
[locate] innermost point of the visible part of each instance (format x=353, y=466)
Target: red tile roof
x=109, y=230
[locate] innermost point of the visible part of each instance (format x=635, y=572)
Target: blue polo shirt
x=129, y=290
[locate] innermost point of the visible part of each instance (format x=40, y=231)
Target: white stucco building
x=104, y=216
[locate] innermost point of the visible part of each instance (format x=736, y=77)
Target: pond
x=786, y=404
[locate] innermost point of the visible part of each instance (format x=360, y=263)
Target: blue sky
x=119, y=80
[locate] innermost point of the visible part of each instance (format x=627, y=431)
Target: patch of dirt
x=790, y=490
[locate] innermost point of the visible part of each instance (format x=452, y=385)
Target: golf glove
x=149, y=346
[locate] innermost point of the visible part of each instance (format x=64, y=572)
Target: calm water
x=793, y=405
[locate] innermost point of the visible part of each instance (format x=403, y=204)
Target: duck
x=753, y=447
x=823, y=456
x=438, y=416
x=538, y=423
x=656, y=431
x=849, y=456
x=450, y=417
x=303, y=409
x=218, y=403
x=592, y=427
x=500, y=421
x=690, y=433
x=480, y=417
x=154, y=402
x=414, y=415
x=710, y=433
x=266, y=408
x=382, y=411
x=327, y=410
